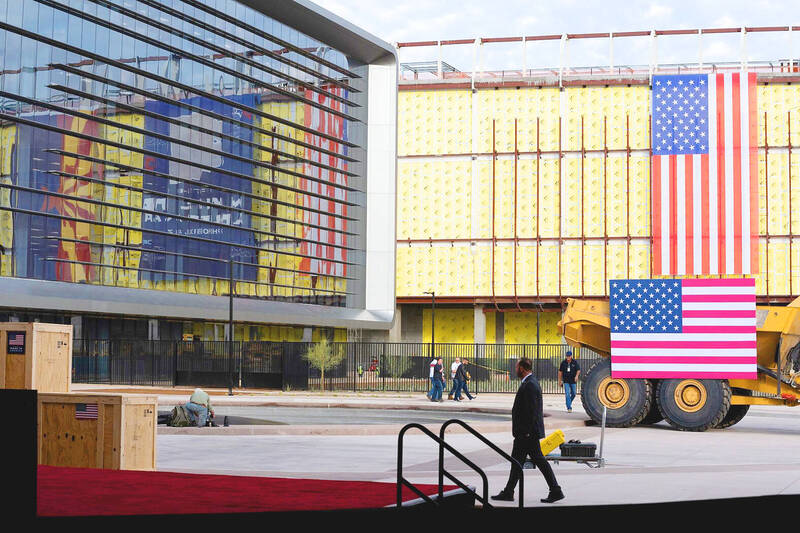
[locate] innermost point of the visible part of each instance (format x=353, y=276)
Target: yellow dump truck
x=687, y=404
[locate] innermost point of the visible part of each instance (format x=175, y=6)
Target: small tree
x=321, y=355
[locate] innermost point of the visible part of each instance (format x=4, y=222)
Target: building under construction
x=519, y=189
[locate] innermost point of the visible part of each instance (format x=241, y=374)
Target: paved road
x=645, y=464
x=346, y=416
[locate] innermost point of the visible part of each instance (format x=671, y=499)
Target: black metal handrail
x=514, y=462
x=402, y=481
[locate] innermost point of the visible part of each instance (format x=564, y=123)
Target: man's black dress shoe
x=553, y=497
x=504, y=496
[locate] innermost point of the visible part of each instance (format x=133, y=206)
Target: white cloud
x=658, y=11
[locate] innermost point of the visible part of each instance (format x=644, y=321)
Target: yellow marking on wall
x=520, y=328
x=452, y=325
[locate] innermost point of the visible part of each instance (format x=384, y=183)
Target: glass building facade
x=174, y=145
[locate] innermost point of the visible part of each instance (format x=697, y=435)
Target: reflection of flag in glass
x=692, y=328
x=704, y=172
x=86, y=411
x=73, y=230
x=335, y=126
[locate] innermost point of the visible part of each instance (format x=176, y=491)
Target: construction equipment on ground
x=686, y=404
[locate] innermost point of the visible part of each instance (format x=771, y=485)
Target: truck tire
x=694, y=404
x=628, y=400
x=736, y=412
x=654, y=415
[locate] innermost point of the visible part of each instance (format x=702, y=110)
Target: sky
x=422, y=20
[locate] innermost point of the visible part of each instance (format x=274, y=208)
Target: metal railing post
x=602, y=434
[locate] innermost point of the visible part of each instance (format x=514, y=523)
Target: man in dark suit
x=527, y=427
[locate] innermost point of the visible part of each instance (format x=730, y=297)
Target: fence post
x=96, y=362
x=175, y=364
x=384, y=366
x=152, y=363
x=284, y=365
x=352, y=354
x=130, y=361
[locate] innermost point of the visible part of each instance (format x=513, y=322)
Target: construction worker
x=568, y=373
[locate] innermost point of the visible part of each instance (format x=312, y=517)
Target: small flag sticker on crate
x=86, y=411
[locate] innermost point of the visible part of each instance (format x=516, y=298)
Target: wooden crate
x=45, y=363
x=120, y=436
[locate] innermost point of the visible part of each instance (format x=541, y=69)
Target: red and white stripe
x=88, y=413
x=718, y=338
x=321, y=254
x=704, y=206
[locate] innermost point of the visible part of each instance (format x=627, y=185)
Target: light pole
x=433, y=319
x=230, y=325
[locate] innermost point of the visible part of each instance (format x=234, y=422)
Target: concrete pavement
x=648, y=464
x=495, y=403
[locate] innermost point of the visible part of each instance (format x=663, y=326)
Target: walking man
x=453, y=370
x=461, y=378
x=527, y=427
x=568, y=373
x=438, y=382
x=430, y=375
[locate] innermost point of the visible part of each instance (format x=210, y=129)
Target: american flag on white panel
x=683, y=328
x=704, y=172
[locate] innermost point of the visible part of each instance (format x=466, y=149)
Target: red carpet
x=93, y=492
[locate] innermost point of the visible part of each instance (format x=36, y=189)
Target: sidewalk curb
x=346, y=429
x=351, y=405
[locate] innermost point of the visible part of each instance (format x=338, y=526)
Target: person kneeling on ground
x=199, y=406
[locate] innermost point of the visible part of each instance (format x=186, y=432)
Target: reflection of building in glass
x=143, y=146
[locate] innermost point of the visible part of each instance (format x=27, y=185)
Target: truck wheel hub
x=690, y=395
x=613, y=393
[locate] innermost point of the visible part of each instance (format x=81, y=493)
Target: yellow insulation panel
x=465, y=270
x=457, y=325
x=526, y=198
x=573, y=188
x=491, y=327
x=440, y=121
x=594, y=282
x=550, y=198
x=8, y=136
x=441, y=191
x=452, y=325
x=519, y=328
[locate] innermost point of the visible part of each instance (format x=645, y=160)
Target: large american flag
x=704, y=172
x=683, y=328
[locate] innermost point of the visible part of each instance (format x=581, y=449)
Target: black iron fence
x=363, y=366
